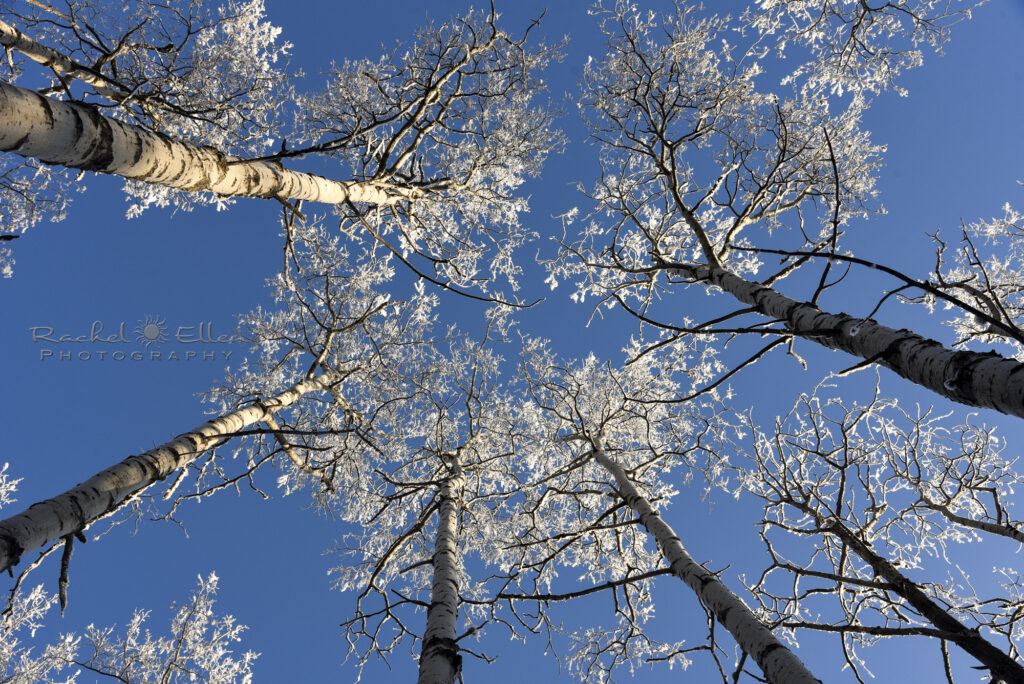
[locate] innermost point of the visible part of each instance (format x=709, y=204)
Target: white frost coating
x=439, y=659
x=777, y=662
x=73, y=510
x=76, y=135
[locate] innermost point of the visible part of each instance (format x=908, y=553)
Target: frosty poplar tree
x=434, y=510
x=700, y=166
x=613, y=440
x=431, y=143
x=339, y=333
x=420, y=457
x=201, y=644
x=888, y=499
x=206, y=74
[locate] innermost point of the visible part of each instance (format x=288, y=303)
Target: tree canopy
x=587, y=343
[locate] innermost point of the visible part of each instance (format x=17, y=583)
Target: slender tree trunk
x=440, y=661
x=1003, y=530
x=778, y=663
x=987, y=379
x=1002, y=666
x=13, y=39
x=76, y=508
x=76, y=135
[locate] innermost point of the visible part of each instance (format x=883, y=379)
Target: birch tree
x=699, y=165
x=207, y=75
x=435, y=509
x=415, y=455
x=197, y=71
x=622, y=438
x=67, y=515
x=888, y=500
x=423, y=483
x=200, y=646
x=867, y=511
x=356, y=330
x=437, y=138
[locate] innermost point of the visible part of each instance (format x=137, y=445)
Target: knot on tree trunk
x=12, y=551
x=446, y=648
x=961, y=375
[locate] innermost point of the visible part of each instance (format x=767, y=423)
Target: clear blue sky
x=955, y=151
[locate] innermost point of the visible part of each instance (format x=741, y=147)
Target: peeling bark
x=440, y=662
x=777, y=662
x=987, y=379
x=76, y=135
x=75, y=509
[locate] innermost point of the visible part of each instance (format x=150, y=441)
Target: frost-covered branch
x=697, y=160
x=433, y=141
x=200, y=646
x=634, y=441
x=878, y=497
x=862, y=47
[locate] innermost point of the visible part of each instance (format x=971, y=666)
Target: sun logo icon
x=151, y=331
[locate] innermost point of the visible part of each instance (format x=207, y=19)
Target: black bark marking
x=18, y=143
x=963, y=366
x=47, y=109
x=158, y=163
x=153, y=166
x=101, y=156
x=79, y=126
x=139, y=147
x=79, y=512
x=222, y=164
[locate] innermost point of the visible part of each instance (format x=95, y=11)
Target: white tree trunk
x=13, y=39
x=76, y=135
x=778, y=663
x=987, y=380
x=440, y=661
x=73, y=510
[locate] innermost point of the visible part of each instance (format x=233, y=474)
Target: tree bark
x=440, y=662
x=76, y=135
x=76, y=508
x=778, y=663
x=987, y=380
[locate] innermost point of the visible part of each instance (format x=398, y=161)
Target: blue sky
x=955, y=151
